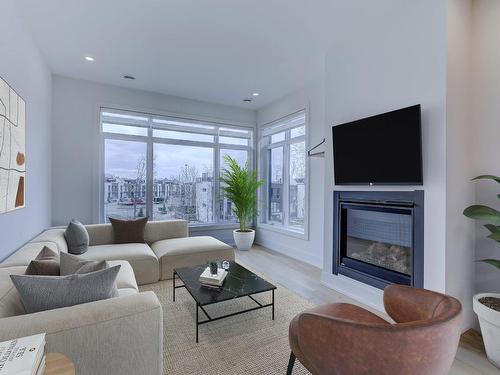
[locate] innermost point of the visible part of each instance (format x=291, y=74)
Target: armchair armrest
x=122, y=335
x=407, y=304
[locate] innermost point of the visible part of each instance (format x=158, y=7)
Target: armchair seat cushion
x=189, y=251
x=139, y=255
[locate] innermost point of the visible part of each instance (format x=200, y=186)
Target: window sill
x=214, y=226
x=284, y=230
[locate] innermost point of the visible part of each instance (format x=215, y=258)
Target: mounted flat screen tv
x=381, y=150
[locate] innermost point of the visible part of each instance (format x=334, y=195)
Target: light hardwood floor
x=304, y=280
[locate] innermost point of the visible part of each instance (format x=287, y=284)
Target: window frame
x=220, y=128
x=264, y=147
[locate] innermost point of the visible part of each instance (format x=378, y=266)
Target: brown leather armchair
x=346, y=339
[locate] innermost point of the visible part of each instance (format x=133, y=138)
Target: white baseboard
x=370, y=296
x=301, y=255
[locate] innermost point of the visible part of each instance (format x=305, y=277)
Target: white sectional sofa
x=122, y=335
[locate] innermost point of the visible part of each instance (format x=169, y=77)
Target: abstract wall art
x=12, y=149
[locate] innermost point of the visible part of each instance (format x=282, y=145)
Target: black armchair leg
x=291, y=362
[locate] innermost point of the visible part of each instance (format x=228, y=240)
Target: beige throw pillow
x=46, y=263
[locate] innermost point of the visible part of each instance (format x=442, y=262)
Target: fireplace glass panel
x=380, y=238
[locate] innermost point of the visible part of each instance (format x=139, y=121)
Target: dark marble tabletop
x=239, y=282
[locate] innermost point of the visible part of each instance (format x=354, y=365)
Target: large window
x=283, y=166
x=168, y=168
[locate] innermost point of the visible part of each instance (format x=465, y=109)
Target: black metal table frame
x=209, y=318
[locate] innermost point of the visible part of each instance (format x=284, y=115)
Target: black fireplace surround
x=378, y=237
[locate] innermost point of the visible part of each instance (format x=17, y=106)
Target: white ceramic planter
x=489, y=320
x=243, y=240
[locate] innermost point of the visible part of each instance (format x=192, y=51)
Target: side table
x=58, y=364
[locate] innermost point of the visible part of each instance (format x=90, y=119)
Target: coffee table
x=239, y=283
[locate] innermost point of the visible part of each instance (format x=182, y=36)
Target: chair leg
x=291, y=362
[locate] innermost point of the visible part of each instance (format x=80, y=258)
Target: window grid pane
x=125, y=179
x=233, y=141
x=124, y=129
x=296, y=186
x=279, y=137
x=170, y=134
x=276, y=185
x=183, y=183
x=226, y=208
x=298, y=132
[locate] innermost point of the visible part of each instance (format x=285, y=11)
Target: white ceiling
x=219, y=51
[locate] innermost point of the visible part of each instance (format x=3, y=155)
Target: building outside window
x=283, y=165
x=168, y=167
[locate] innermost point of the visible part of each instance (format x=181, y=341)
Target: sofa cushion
x=128, y=231
x=189, y=251
x=10, y=300
x=45, y=263
x=139, y=255
x=55, y=235
x=77, y=237
x=164, y=230
x=40, y=293
x=27, y=253
x=102, y=234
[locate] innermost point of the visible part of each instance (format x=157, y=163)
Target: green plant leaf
x=240, y=185
x=487, y=177
x=483, y=213
x=492, y=228
x=492, y=262
x=494, y=232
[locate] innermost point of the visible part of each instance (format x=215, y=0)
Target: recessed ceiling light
x=255, y=94
x=89, y=58
x=247, y=100
x=127, y=76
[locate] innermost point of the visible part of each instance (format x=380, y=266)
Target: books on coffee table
x=23, y=356
x=214, y=281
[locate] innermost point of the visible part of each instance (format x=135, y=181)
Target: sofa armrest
x=122, y=335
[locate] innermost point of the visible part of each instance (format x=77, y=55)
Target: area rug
x=250, y=343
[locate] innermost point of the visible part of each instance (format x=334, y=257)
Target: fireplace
x=378, y=237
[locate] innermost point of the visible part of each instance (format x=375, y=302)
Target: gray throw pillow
x=71, y=264
x=40, y=293
x=77, y=237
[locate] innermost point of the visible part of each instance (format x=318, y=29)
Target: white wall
x=310, y=250
x=459, y=190
x=386, y=55
x=486, y=129
x=76, y=140
x=22, y=66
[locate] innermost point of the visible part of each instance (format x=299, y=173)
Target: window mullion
x=150, y=172
x=286, y=180
x=216, y=192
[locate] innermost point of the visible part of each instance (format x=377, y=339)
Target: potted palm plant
x=240, y=185
x=487, y=305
